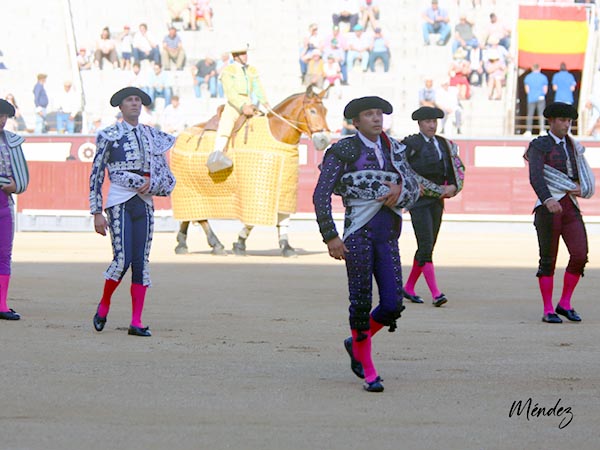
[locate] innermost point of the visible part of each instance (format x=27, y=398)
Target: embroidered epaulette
x=543, y=143
x=113, y=132
x=13, y=139
x=347, y=149
x=413, y=141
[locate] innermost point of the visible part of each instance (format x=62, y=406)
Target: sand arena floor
x=247, y=352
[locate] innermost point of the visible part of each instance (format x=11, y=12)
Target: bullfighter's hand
x=337, y=248
x=100, y=224
x=144, y=188
x=553, y=206
x=9, y=188
x=391, y=198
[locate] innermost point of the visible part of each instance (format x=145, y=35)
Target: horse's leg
x=181, y=248
x=239, y=247
x=283, y=224
x=212, y=239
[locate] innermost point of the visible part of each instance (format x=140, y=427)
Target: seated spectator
x=379, y=49
x=200, y=10
x=172, y=120
x=477, y=75
x=106, y=49
x=144, y=46
x=178, y=10
x=435, y=20
x=459, y=76
x=346, y=11
x=205, y=72
x=333, y=74
x=369, y=13
x=172, y=50
x=159, y=85
x=495, y=48
x=68, y=105
x=15, y=123
x=83, y=60
x=340, y=56
x=427, y=94
x=138, y=79
x=310, y=42
x=496, y=70
x=446, y=98
x=315, y=72
x=336, y=34
x=125, y=47
x=358, y=48
x=464, y=37
x=498, y=31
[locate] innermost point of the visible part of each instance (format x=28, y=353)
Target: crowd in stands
x=327, y=60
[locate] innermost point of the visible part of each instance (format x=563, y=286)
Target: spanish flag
x=551, y=34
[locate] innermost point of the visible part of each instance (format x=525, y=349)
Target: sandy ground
x=247, y=352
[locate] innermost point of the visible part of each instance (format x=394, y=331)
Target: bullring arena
x=247, y=352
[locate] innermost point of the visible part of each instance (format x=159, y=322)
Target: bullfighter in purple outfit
x=370, y=172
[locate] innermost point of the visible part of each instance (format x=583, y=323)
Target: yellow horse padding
x=262, y=182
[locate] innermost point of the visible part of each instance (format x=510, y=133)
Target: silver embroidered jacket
x=117, y=151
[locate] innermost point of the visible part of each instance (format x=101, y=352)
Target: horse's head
x=301, y=113
x=316, y=113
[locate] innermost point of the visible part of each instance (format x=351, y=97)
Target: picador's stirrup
x=287, y=251
x=239, y=247
x=181, y=248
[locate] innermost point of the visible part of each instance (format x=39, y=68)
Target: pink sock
x=414, y=275
x=362, y=352
x=138, y=295
x=4, y=281
x=375, y=326
x=429, y=274
x=546, y=286
x=109, y=289
x=569, y=284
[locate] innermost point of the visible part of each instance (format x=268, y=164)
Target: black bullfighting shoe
x=440, y=300
x=355, y=364
x=10, y=315
x=570, y=314
x=138, y=331
x=99, y=322
x=413, y=298
x=551, y=318
x=374, y=386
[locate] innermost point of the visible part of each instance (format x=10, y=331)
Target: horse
x=211, y=195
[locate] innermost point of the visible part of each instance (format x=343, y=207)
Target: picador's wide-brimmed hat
x=121, y=95
x=427, y=112
x=560, y=109
x=240, y=49
x=6, y=108
x=356, y=106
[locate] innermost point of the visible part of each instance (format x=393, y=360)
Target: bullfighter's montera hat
x=356, y=106
x=121, y=95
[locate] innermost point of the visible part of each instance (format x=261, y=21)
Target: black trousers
x=426, y=221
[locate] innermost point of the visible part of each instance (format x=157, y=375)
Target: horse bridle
x=292, y=123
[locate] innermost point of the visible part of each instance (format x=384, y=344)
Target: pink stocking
x=546, y=286
x=138, y=295
x=429, y=274
x=569, y=284
x=109, y=289
x=414, y=275
x=375, y=326
x=4, y=281
x=362, y=352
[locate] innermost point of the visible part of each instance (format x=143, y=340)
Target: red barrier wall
x=63, y=185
